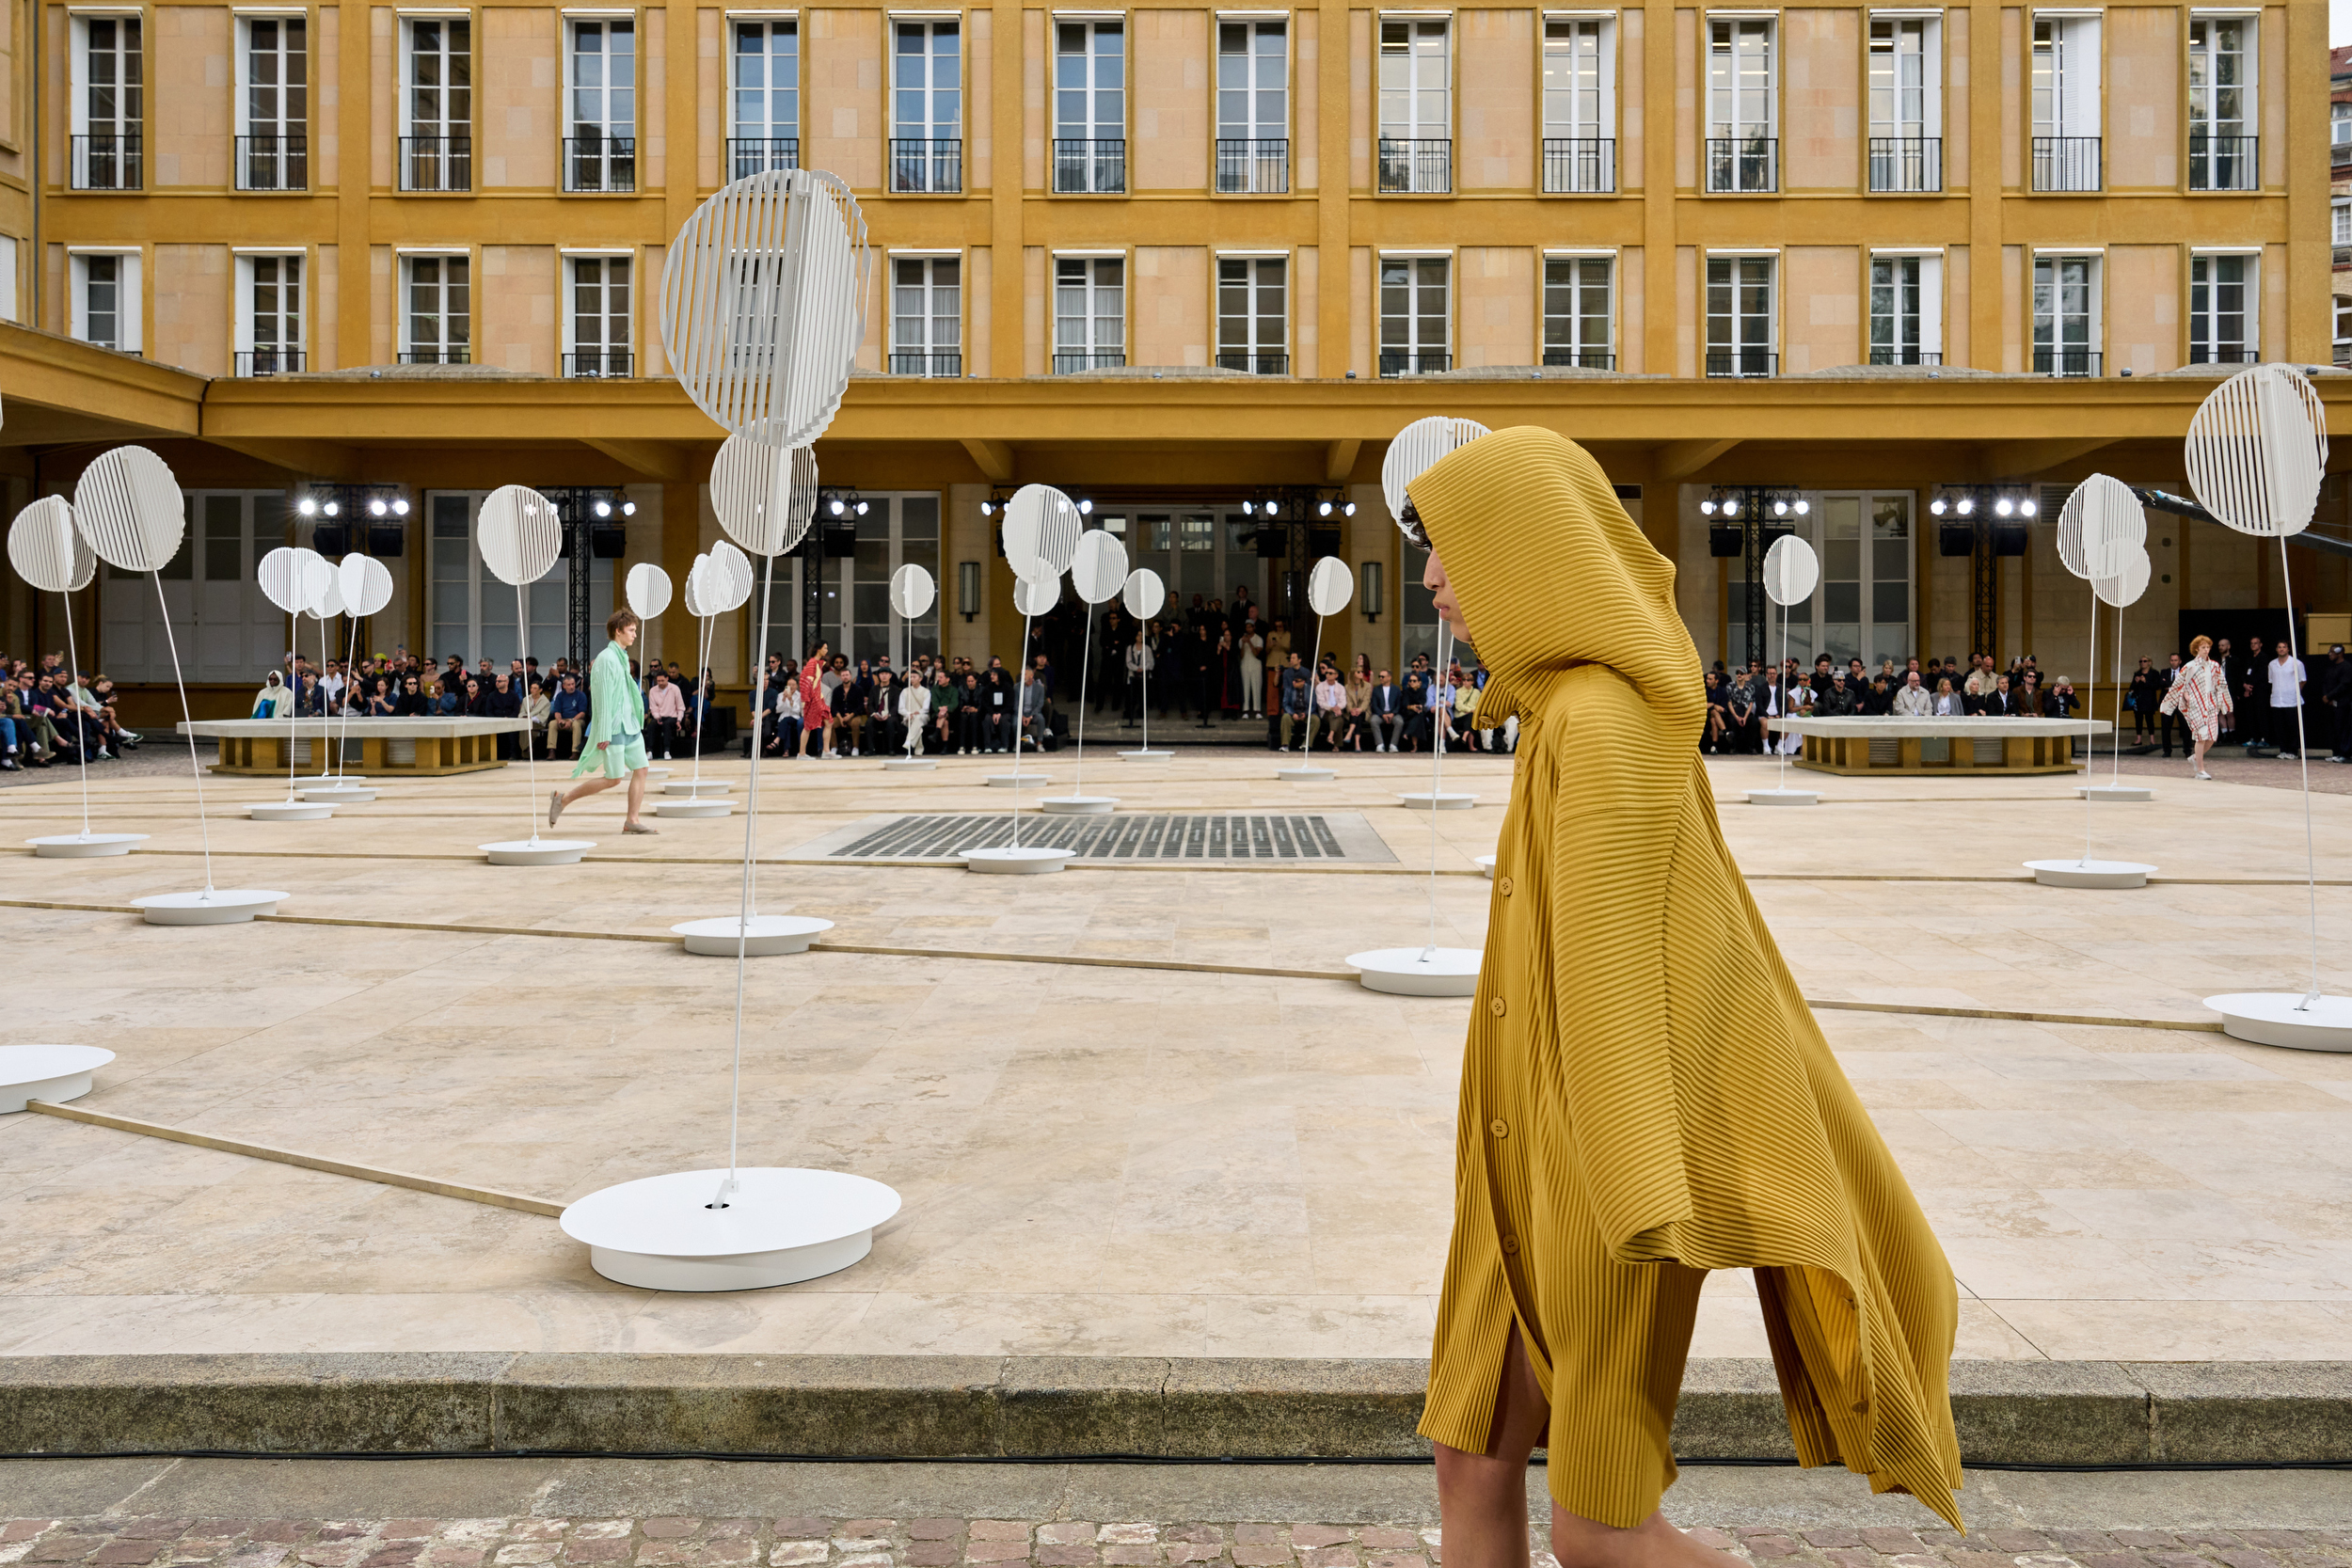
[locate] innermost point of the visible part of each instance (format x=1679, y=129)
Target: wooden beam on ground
x=1339, y=461
x=298, y=455
x=1681, y=459
x=659, y=460
x=992, y=458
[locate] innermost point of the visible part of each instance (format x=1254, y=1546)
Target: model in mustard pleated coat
x=1645, y=1095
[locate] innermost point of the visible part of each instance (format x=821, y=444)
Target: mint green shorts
x=617, y=760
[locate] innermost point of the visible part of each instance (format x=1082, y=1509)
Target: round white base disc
x=1783, y=796
x=1487, y=863
x=1444, y=801
x=1019, y=780
x=1077, y=805
x=1028, y=861
x=909, y=765
x=51, y=1072
x=1304, y=774
x=779, y=1227
x=337, y=794
x=66, y=846
x=695, y=787
x=310, y=779
x=1146, y=757
x=291, y=811
x=222, y=906
x=2104, y=873
x=692, y=808
x=1418, y=970
x=2115, y=792
x=538, y=851
x=2279, y=1018
x=767, y=936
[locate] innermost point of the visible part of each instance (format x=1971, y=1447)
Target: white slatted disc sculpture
x=912, y=591
x=1329, y=586
x=2100, y=529
x=49, y=1073
x=2257, y=452
x=1041, y=530
x=129, y=509
x=719, y=584
x=366, y=587
x=1143, y=595
x=522, y=537
x=1097, y=573
x=1428, y=970
x=51, y=557
x=1790, y=571
x=2119, y=592
x=300, y=582
x=764, y=306
x=646, y=590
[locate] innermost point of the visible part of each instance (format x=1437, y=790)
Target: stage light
x=1804, y=508
x=307, y=507
x=2028, y=507
x=987, y=508
x=860, y=509
x=1707, y=507
x=628, y=509
x=1348, y=511
x=1274, y=509
x=332, y=508
x=1086, y=508
x=1936, y=506
x=400, y=507
x=836, y=507
x=1780, y=509
x=1323, y=509
x=376, y=507
x=602, y=508
x=2003, y=507
x=1967, y=505
x=1247, y=507
x=1731, y=506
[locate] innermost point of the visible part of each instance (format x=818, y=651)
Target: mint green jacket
x=616, y=709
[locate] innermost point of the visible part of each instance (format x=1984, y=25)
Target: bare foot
x=1580, y=1542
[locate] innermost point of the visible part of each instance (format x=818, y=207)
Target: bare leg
x=1482, y=1497
x=636, y=795
x=586, y=787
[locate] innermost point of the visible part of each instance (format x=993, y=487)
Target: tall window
x=436, y=321
x=107, y=102
x=602, y=317
x=852, y=600
x=472, y=614
x=106, y=299
x=1580, y=109
x=274, y=104
x=1253, y=314
x=270, y=331
x=2343, y=330
x=1253, y=147
x=2342, y=220
x=2221, y=139
x=1740, y=316
x=1906, y=310
x=1416, y=107
x=927, y=315
x=1906, y=120
x=601, y=133
x=222, y=623
x=1416, y=320
x=2339, y=124
x=1089, y=107
x=2066, y=315
x=1089, y=313
x=436, y=105
x=2066, y=143
x=1579, y=311
x=927, y=107
x=1742, y=146
x=2222, y=304
x=764, y=109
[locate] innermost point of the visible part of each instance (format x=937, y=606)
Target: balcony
x=2222, y=354
x=1416, y=166
x=599, y=162
x=1253, y=166
x=106, y=162
x=1906, y=164
x=1398, y=363
x=2064, y=361
x=1742, y=166
x=598, y=364
x=274, y=163
x=437, y=163
x=1742, y=364
x=940, y=362
x=1579, y=358
x=750, y=155
x=1090, y=165
x=1895, y=353
x=268, y=360
x=2224, y=162
x=439, y=353
x=927, y=166
x=1255, y=364
x=1100, y=359
x=1576, y=166
x=2066, y=163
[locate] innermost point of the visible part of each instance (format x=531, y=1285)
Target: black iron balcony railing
x=2224, y=162
x=2064, y=361
x=439, y=353
x=1090, y=165
x=2344, y=350
x=2339, y=149
x=1253, y=166
x=1256, y=364
x=1906, y=162
x=1742, y=363
x=941, y=362
x=599, y=162
x=1099, y=359
x=107, y=161
x=1574, y=164
x=1397, y=362
x=1580, y=358
x=2222, y=354
x=750, y=155
x=270, y=361
x=1742, y=164
x=437, y=163
x=274, y=163
x=1416, y=166
x=598, y=364
x=2066, y=162
x=1898, y=353
x=927, y=166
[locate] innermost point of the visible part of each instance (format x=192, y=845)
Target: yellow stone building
x=1175, y=259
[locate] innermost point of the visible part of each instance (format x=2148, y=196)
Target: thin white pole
x=1314, y=667
x=351, y=690
x=1782, y=704
x=1437, y=781
x=1086, y=653
x=2303, y=761
x=743, y=914
x=73, y=657
x=1015, y=807
x=2114, y=752
x=2091, y=735
x=204, y=832
x=1147, y=687
x=701, y=701
x=531, y=763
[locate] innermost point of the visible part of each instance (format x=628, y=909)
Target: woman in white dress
x=1252, y=672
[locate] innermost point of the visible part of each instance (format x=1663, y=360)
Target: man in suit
x=1387, y=711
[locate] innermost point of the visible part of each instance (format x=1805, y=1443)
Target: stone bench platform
x=391, y=747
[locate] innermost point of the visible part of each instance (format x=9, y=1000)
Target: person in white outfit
x=914, y=707
x=2286, y=700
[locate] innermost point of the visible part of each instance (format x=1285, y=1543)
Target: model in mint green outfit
x=616, y=728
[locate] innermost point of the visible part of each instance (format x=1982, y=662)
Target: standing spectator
x=2335, y=696
x=2284, y=679
x=2169, y=719
x=567, y=727
x=2140, y=697
x=665, y=714
x=1250, y=650
x=2201, y=696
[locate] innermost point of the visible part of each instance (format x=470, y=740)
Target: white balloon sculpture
x=1097, y=573
x=912, y=591
x=1328, y=589
x=717, y=584
x=1790, y=571
x=366, y=587
x=1041, y=531
x=1143, y=595
x=522, y=537
x=299, y=581
x=53, y=558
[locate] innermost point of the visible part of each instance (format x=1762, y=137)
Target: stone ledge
x=2026, y=1413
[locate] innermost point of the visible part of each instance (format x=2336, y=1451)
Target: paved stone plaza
x=1133, y=1110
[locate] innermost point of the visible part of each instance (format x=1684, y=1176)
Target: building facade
x=1182, y=261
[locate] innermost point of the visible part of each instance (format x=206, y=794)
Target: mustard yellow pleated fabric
x=1645, y=1095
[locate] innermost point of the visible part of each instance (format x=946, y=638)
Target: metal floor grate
x=1124, y=836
